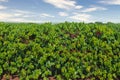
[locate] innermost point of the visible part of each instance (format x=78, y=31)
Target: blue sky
x=59, y=10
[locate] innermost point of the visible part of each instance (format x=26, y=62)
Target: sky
x=60, y=10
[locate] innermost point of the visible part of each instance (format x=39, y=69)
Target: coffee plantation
x=62, y=51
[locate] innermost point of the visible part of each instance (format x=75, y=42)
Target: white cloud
x=2, y=7
x=46, y=15
x=13, y=14
x=21, y=11
x=63, y=14
x=78, y=7
x=64, y=4
x=93, y=9
x=3, y=0
x=16, y=15
x=23, y=20
x=111, y=2
x=80, y=17
x=5, y=16
x=90, y=9
x=9, y=17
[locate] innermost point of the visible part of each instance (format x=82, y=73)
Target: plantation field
x=63, y=51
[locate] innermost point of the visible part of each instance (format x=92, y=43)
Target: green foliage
x=66, y=51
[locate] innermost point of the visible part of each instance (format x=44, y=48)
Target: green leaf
x=1, y=70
